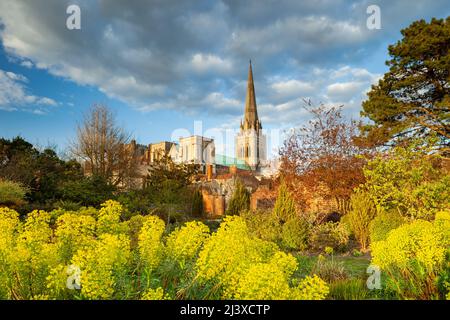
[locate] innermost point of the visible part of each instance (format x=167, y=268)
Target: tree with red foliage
x=323, y=158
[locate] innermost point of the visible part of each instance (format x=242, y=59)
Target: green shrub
x=330, y=234
x=383, y=223
x=240, y=200
x=262, y=224
x=362, y=212
x=349, y=289
x=284, y=208
x=295, y=234
x=11, y=193
x=409, y=181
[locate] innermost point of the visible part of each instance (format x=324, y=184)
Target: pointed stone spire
x=251, y=120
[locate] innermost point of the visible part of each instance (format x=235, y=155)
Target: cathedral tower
x=250, y=141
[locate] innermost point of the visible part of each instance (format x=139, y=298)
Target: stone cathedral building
x=250, y=144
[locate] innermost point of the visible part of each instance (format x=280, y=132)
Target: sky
x=174, y=68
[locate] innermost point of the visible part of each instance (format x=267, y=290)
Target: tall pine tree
x=413, y=98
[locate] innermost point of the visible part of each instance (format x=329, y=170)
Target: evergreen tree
x=284, y=208
x=413, y=98
x=197, y=203
x=240, y=200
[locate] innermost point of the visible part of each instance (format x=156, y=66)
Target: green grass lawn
x=355, y=266
x=353, y=287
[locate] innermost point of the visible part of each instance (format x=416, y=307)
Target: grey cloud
x=192, y=56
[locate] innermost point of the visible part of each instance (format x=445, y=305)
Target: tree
x=197, y=203
x=413, y=98
x=284, y=208
x=105, y=148
x=362, y=212
x=323, y=157
x=240, y=201
x=41, y=173
x=164, y=168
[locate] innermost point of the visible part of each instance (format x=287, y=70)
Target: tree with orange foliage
x=323, y=158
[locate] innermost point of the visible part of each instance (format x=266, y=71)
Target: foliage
x=413, y=97
x=362, y=212
x=150, y=245
x=103, y=266
x=284, y=208
x=183, y=244
x=197, y=203
x=322, y=157
x=106, y=148
x=408, y=180
x=330, y=234
x=88, y=191
x=263, y=224
x=383, y=223
x=11, y=193
x=164, y=169
x=294, y=234
x=252, y=268
x=167, y=192
x=155, y=294
x=311, y=288
x=109, y=218
x=329, y=269
x=412, y=256
x=349, y=289
x=73, y=232
x=240, y=200
x=42, y=173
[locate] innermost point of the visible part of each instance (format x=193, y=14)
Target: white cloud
x=202, y=63
x=292, y=87
x=344, y=91
x=27, y=64
x=14, y=95
x=218, y=102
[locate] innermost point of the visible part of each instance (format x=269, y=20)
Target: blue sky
x=161, y=65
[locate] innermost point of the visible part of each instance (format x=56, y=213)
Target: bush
x=11, y=193
x=253, y=268
x=104, y=258
x=295, y=234
x=284, y=208
x=262, y=224
x=408, y=181
x=412, y=257
x=330, y=234
x=240, y=200
x=383, y=223
x=359, y=217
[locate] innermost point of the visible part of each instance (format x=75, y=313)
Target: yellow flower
x=150, y=247
x=311, y=288
x=183, y=243
x=103, y=265
x=73, y=231
x=109, y=218
x=155, y=294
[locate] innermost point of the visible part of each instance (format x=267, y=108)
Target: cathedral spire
x=251, y=120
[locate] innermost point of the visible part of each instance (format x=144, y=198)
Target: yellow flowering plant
x=412, y=256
